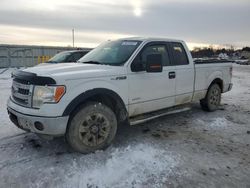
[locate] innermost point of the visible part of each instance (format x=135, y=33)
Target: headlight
x=47, y=94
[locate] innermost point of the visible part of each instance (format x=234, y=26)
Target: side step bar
x=154, y=115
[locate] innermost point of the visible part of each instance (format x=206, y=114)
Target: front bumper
x=52, y=126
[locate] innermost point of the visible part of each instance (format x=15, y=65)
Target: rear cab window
x=179, y=55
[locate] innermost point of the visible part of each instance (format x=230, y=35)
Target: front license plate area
x=24, y=123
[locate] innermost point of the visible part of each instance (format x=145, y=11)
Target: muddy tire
x=213, y=98
x=93, y=127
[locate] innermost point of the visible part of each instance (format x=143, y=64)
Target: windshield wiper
x=93, y=62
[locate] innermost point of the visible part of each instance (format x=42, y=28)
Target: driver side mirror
x=154, y=63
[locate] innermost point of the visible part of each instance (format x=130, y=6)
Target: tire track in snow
x=13, y=136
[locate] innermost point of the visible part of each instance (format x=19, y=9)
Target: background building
x=26, y=56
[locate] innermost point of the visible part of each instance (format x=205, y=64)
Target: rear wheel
x=93, y=127
x=213, y=98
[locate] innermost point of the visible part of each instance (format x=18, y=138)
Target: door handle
x=171, y=75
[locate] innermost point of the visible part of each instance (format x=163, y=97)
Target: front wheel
x=213, y=98
x=93, y=127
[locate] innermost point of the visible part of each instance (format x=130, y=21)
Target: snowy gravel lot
x=190, y=149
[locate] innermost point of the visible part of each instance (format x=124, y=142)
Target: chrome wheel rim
x=94, y=130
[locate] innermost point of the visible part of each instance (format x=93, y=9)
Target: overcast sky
x=50, y=22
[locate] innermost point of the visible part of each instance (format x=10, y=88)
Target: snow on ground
x=241, y=91
x=190, y=149
x=132, y=165
x=5, y=85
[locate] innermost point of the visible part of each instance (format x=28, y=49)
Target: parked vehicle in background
x=68, y=56
x=242, y=61
x=129, y=80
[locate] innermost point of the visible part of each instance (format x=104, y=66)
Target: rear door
x=184, y=73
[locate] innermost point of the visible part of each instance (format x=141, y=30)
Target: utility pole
x=73, y=37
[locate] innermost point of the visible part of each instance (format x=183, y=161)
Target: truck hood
x=76, y=70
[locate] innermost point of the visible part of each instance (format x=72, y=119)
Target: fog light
x=39, y=126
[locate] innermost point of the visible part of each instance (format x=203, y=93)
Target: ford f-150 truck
x=129, y=80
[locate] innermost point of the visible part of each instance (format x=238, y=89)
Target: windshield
x=111, y=52
x=60, y=57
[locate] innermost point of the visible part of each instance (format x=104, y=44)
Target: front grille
x=22, y=92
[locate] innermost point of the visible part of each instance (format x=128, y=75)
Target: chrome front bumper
x=52, y=126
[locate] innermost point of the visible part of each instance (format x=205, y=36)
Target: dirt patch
x=35, y=143
x=161, y=133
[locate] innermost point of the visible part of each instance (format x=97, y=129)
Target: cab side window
x=75, y=56
x=179, y=54
x=141, y=58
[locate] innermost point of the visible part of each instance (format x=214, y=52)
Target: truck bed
x=207, y=70
x=209, y=61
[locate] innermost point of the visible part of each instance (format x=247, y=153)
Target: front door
x=151, y=91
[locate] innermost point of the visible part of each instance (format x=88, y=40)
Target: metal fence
x=26, y=56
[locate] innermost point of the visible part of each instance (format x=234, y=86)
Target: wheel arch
x=103, y=95
x=218, y=81
x=215, y=77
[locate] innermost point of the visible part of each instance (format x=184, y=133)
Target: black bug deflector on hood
x=32, y=78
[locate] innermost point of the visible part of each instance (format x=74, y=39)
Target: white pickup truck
x=128, y=80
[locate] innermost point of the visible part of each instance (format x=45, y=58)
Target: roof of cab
x=147, y=39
